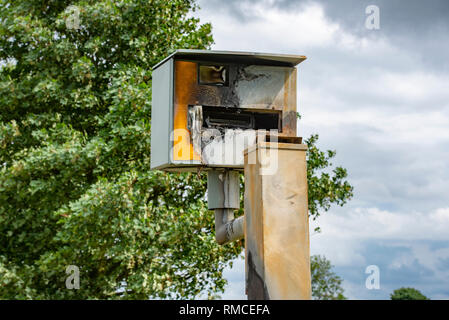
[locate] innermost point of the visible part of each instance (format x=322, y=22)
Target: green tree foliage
x=75, y=183
x=326, y=285
x=325, y=188
x=407, y=294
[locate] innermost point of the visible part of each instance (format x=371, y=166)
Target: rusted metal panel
x=185, y=83
x=195, y=124
x=276, y=221
x=251, y=91
x=289, y=119
x=249, y=87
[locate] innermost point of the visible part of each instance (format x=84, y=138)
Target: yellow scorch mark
x=185, y=85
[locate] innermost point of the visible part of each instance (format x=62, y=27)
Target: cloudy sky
x=380, y=98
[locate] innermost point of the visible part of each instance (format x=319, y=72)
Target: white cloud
x=273, y=30
x=235, y=290
x=385, y=114
x=416, y=86
x=384, y=127
x=361, y=224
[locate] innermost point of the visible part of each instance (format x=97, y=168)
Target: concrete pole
x=276, y=222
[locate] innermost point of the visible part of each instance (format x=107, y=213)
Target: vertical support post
x=276, y=222
x=223, y=194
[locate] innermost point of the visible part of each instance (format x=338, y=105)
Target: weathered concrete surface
x=276, y=223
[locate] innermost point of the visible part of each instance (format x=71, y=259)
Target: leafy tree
x=326, y=285
x=325, y=188
x=407, y=294
x=75, y=183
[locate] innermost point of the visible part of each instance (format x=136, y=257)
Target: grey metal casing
x=164, y=101
x=161, y=114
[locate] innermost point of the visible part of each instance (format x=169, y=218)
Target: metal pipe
x=223, y=187
x=227, y=229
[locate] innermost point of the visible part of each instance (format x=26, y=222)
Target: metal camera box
x=207, y=106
